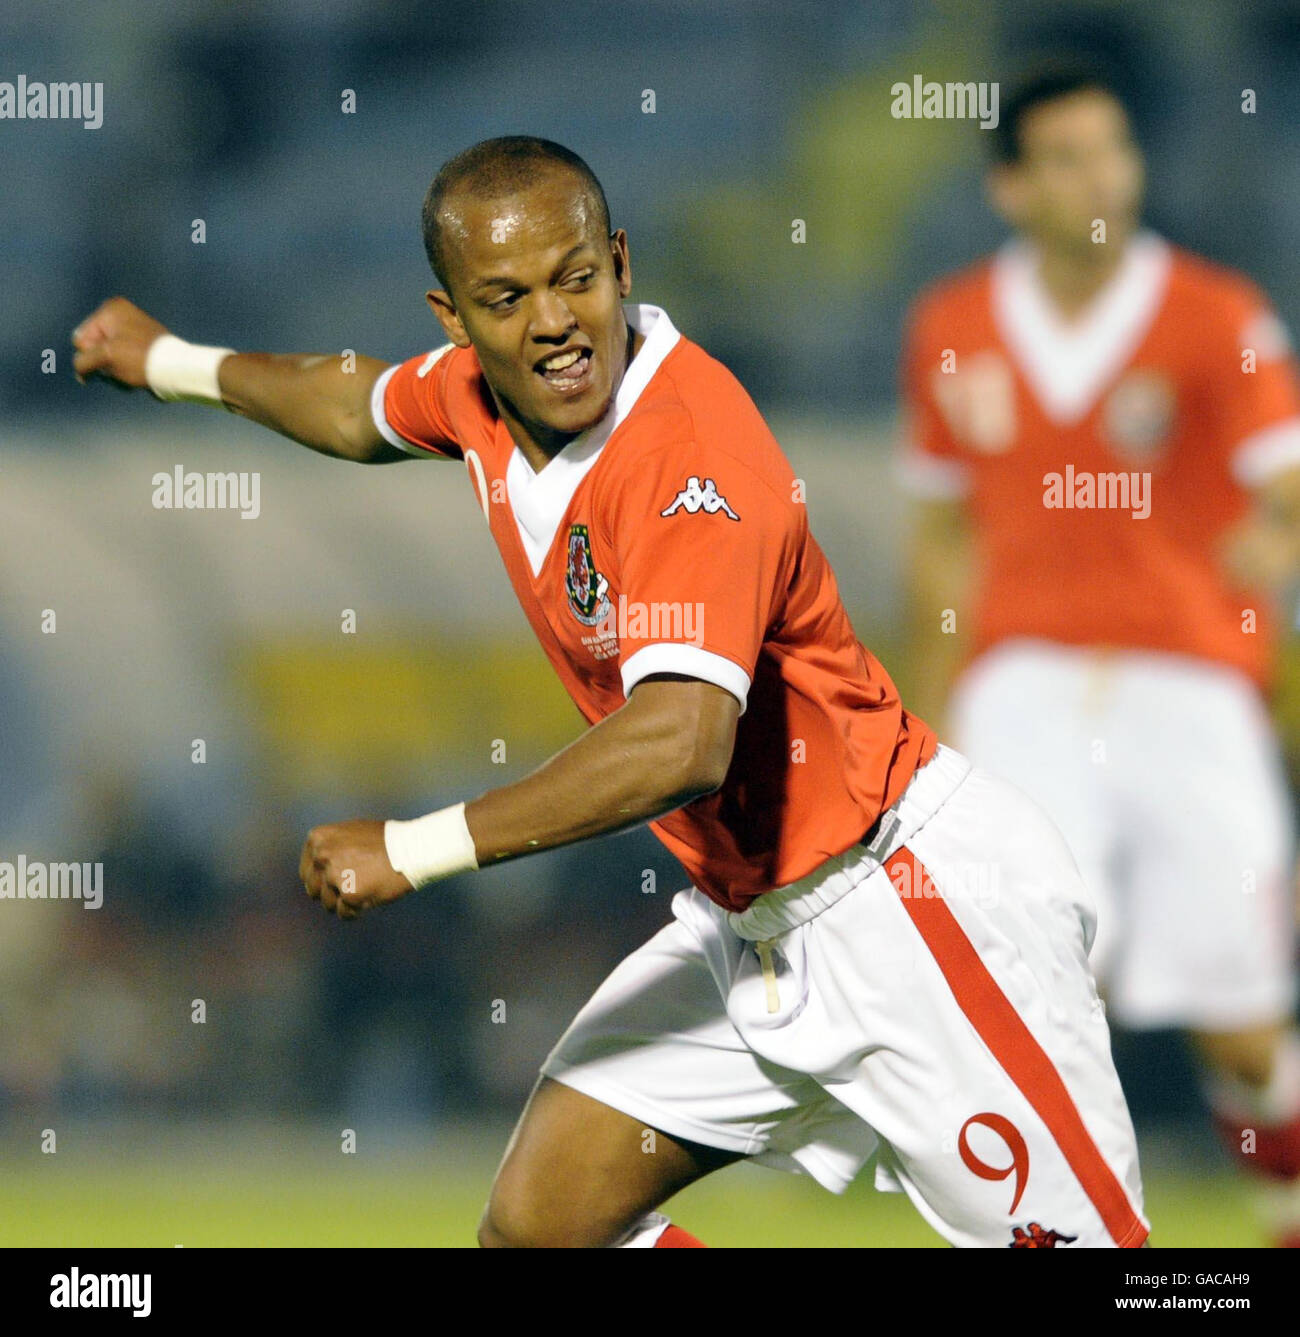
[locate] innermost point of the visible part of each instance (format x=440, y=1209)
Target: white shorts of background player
x=1164, y=775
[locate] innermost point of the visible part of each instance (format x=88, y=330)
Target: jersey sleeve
x=1253, y=382
x=930, y=463
x=704, y=550
x=409, y=405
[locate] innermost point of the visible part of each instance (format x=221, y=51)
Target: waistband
x=777, y=911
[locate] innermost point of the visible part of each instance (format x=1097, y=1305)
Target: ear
x=1004, y=188
x=622, y=262
x=444, y=308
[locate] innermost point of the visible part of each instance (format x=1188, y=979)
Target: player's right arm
x=940, y=544
x=309, y=398
x=937, y=602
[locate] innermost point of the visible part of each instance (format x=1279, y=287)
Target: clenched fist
x=345, y=867
x=112, y=343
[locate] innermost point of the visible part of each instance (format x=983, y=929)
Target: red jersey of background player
x=1172, y=394
x=671, y=537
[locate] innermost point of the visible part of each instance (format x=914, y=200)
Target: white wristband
x=175, y=369
x=431, y=847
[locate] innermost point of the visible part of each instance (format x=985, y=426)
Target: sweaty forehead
x=534, y=223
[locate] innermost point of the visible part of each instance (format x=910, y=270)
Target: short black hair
x=496, y=167
x=1045, y=83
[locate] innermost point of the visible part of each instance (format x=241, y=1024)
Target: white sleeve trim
x=932, y=478
x=386, y=429
x=381, y=418
x=691, y=662
x=1267, y=453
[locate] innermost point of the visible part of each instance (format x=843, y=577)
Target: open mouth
x=567, y=372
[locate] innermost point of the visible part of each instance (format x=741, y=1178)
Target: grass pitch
x=285, y=1186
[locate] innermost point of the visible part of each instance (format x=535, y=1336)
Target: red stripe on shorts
x=1022, y=1058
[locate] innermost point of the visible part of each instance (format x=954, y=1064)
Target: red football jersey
x=1103, y=460
x=671, y=537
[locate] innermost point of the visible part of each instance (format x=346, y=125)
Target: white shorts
x=1164, y=776
x=957, y=1034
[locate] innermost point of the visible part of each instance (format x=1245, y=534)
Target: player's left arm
x=1263, y=552
x=670, y=743
x=1256, y=395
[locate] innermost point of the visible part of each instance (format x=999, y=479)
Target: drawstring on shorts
x=764, y=949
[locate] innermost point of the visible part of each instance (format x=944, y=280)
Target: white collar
x=539, y=500
x=1067, y=363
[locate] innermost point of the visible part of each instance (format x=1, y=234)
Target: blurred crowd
x=764, y=112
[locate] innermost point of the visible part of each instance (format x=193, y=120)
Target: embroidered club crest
x=585, y=586
x=1139, y=415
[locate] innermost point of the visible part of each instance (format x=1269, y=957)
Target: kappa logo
x=1035, y=1237
x=694, y=498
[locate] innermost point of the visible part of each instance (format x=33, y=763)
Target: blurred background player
x=1104, y=446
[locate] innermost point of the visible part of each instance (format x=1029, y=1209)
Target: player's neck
x=1072, y=279
x=538, y=445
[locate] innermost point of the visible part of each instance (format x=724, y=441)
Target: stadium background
x=174, y=626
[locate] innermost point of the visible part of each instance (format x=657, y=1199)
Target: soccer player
x=827, y=989
x=1105, y=447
